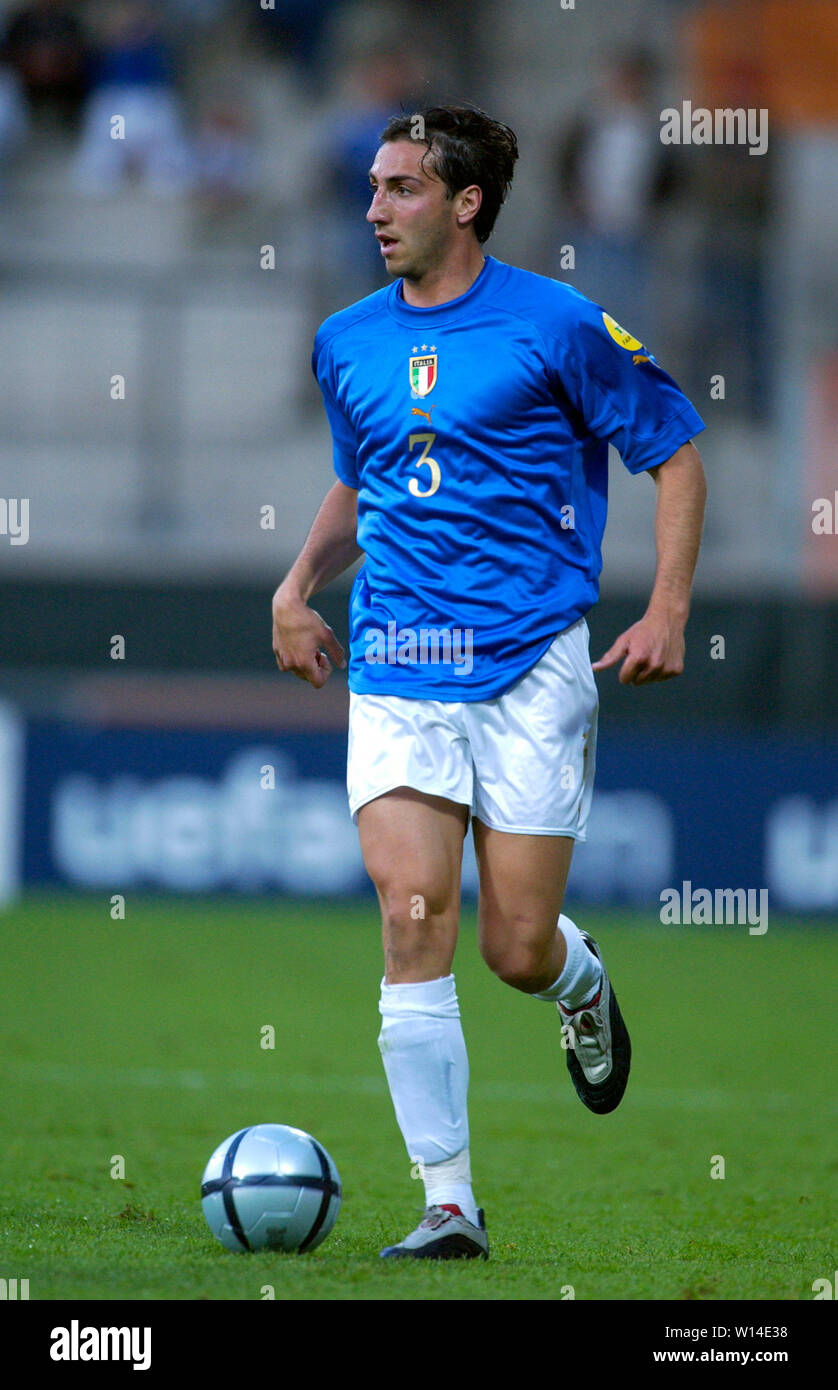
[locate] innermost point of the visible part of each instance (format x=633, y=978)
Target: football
x=271, y=1187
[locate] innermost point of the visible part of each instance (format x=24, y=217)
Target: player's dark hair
x=464, y=146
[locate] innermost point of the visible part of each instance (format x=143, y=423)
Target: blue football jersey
x=476, y=433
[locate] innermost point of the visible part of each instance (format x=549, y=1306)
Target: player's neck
x=445, y=283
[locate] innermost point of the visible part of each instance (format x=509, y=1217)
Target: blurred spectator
x=380, y=83
x=295, y=28
x=224, y=158
x=132, y=79
x=200, y=12
x=731, y=190
x=45, y=44
x=14, y=116
x=454, y=37
x=614, y=174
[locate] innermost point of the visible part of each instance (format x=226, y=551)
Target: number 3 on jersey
x=414, y=485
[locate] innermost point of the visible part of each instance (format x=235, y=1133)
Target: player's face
x=415, y=222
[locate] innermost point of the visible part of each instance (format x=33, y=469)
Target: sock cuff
x=457, y=1168
x=437, y=998
x=551, y=994
x=582, y=969
x=573, y=940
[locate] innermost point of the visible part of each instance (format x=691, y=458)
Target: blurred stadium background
x=158, y=413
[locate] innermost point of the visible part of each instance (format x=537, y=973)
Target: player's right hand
x=303, y=644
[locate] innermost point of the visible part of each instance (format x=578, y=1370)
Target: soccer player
x=471, y=405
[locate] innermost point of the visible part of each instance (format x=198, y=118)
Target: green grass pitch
x=142, y=1038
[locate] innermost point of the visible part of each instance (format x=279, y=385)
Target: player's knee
x=518, y=964
x=419, y=927
x=414, y=944
x=407, y=903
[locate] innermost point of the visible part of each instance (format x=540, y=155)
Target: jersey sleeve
x=619, y=389
x=344, y=439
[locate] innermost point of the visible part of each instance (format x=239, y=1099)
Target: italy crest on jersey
x=423, y=374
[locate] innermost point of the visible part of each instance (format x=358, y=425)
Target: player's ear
x=467, y=204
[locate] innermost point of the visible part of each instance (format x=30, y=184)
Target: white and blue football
x=271, y=1187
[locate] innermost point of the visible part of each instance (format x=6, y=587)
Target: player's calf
x=528, y=969
x=525, y=952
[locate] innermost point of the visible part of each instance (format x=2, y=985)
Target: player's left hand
x=650, y=650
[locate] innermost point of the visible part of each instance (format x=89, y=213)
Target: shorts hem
x=580, y=835
x=367, y=797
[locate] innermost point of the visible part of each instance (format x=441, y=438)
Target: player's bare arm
x=303, y=643
x=653, y=648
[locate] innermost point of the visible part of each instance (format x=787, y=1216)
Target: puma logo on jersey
x=427, y=413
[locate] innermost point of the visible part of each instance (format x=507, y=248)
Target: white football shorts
x=523, y=762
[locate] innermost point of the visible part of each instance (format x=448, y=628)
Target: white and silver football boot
x=443, y=1234
x=599, y=1047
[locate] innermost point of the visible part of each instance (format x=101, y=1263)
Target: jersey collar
x=442, y=313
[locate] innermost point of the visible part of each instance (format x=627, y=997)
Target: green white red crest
x=423, y=374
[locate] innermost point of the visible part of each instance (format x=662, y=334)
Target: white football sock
x=582, y=974
x=450, y=1181
x=425, y=1059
